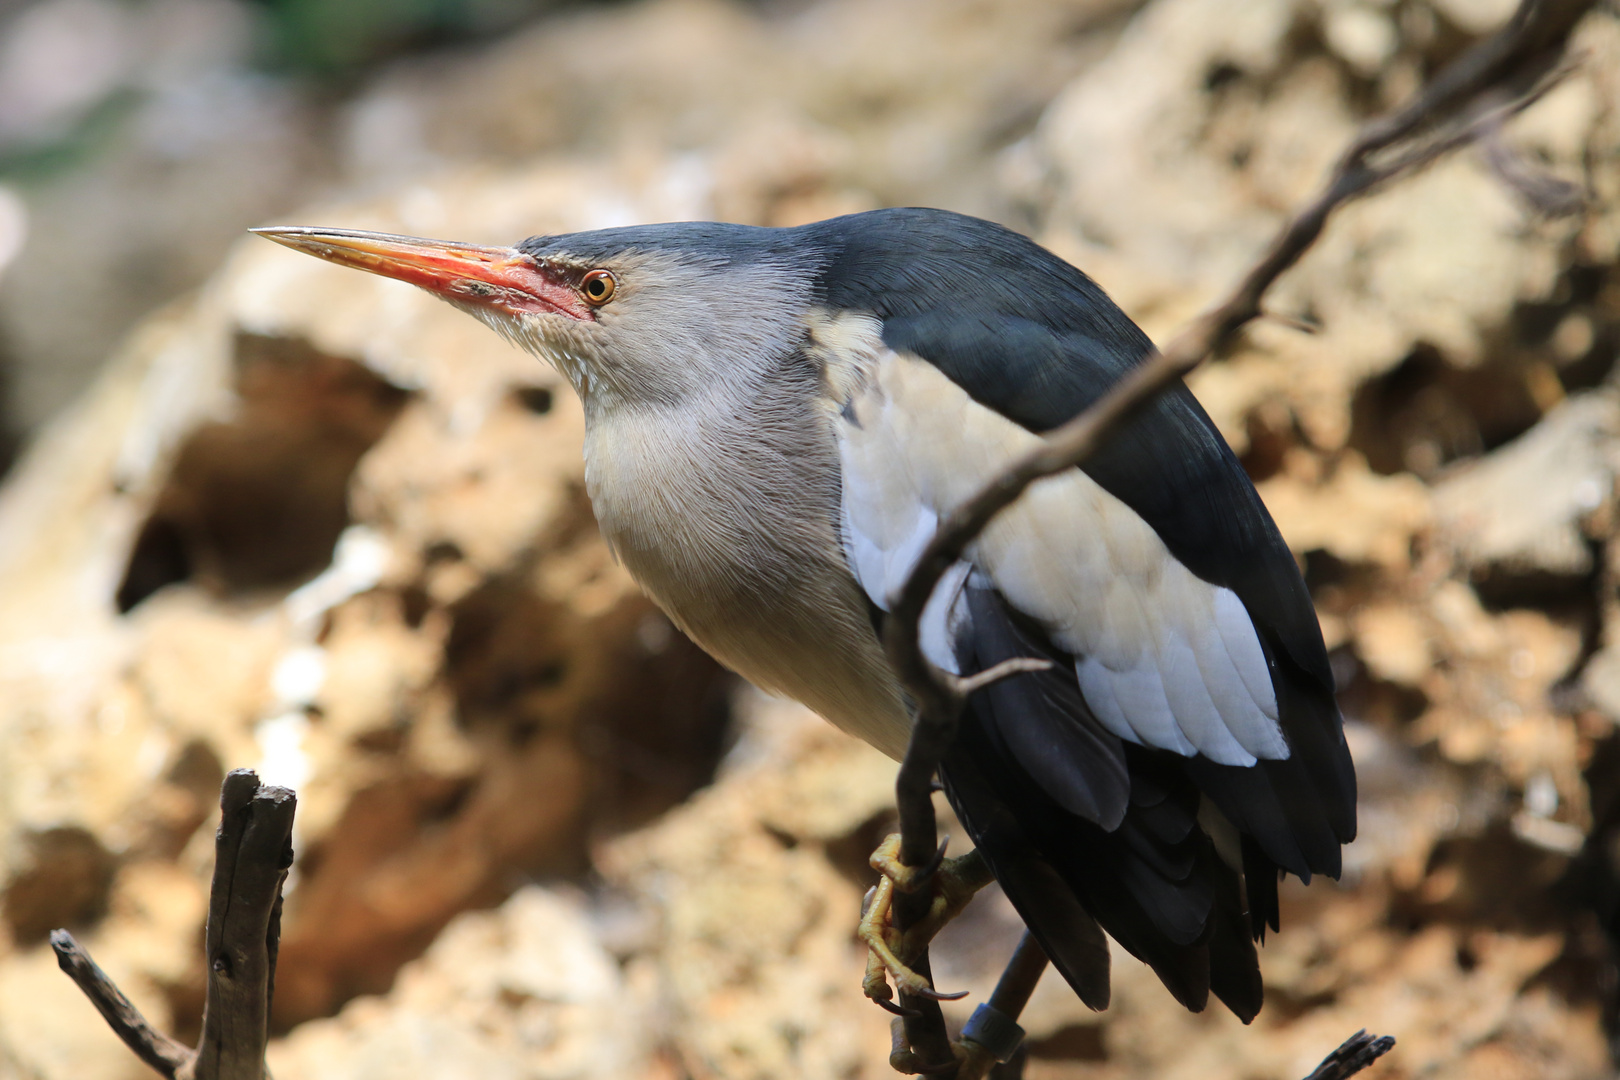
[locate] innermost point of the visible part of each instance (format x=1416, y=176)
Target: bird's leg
x=953, y=883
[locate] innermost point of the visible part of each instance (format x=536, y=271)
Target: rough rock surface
x=460, y=638
x=526, y=991
x=316, y=523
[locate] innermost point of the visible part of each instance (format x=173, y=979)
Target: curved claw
x=952, y=883
x=891, y=1007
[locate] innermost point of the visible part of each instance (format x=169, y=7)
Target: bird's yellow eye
x=598, y=287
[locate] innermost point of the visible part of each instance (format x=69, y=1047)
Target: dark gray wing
x=1033, y=338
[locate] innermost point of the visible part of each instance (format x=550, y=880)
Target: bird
x=776, y=419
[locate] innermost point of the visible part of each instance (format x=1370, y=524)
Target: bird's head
x=647, y=314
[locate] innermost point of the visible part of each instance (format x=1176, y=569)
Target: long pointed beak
x=501, y=278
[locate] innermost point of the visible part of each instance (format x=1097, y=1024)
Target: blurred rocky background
x=268, y=513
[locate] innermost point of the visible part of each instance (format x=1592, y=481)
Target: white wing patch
x=883, y=570
x=1166, y=659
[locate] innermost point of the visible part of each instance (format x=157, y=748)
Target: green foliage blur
x=335, y=37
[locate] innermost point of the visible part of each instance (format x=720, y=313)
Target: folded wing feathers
x=1243, y=650
x=1161, y=659
x=1165, y=659
x=1188, y=679
x=944, y=616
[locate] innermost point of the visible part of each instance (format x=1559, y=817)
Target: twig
x=1493, y=80
x=1018, y=665
x=1354, y=1054
x=1548, y=195
x=253, y=850
x=150, y=1045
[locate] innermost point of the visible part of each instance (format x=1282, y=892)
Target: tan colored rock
x=1496, y=709
x=756, y=960
x=1354, y=514
x=469, y=692
x=526, y=992
x=1523, y=507
x=376, y=667
x=47, y=1028
x=442, y=693
x=203, y=673
x=1394, y=642
x=1166, y=188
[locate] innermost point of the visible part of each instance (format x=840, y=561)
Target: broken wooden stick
x=252, y=851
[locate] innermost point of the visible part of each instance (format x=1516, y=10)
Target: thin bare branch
x=1018, y=665
x=1304, y=326
x=1547, y=195
x=1493, y=80
x=150, y=1045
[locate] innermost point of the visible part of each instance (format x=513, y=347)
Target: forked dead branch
x=1466, y=102
x=252, y=852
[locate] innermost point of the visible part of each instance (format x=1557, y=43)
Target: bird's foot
x=969, y=1060
x=952, y=882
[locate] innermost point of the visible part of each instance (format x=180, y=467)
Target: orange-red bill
x=497, y=277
